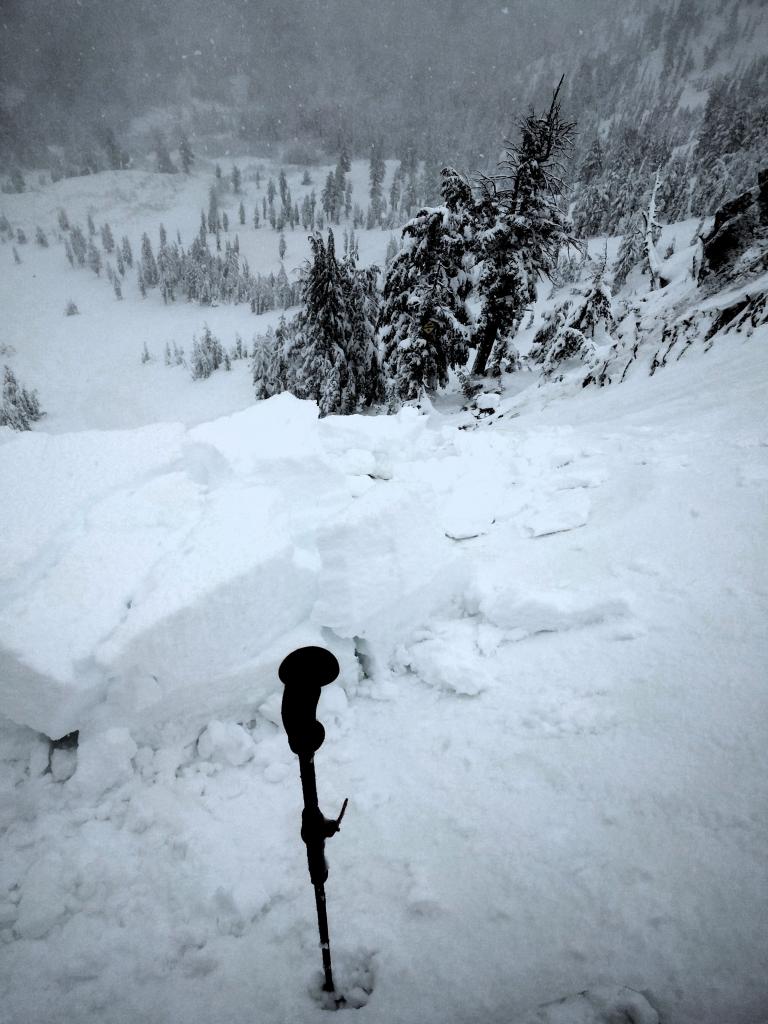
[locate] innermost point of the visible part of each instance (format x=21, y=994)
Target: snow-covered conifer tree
x=107, y=240
x=79, y=244
x=631, y=251
x=127, y=251
x=522, y=229
x=94, y=258
x=423, y=320
x=148, y=262
x=19, y=408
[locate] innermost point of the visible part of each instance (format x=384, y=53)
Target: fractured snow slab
x=171, y=570
x=566, y=510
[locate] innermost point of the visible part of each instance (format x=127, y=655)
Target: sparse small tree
x=107, y=240
x=186, y=155
x=94, y=258
x=127, y=251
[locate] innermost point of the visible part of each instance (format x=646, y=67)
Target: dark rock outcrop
x=737, y=244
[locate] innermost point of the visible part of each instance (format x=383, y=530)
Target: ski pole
x=303, y=673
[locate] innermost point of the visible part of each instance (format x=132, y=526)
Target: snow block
x=104, y=761
x=596, y=1006
x=547, y=611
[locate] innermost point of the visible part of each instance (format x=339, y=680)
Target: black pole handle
x=303, y=673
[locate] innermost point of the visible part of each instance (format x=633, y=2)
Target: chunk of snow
x=104, y=761
x=225, y=741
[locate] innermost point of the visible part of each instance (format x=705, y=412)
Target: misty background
x=446, y=78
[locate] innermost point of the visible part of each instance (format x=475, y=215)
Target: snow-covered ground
x=551, y=716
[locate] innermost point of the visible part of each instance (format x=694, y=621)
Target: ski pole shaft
x=325, y=941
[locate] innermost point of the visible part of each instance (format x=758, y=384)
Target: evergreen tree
x=186, y=155
x=79, y=244
x=207, y=355
x=631, y=251
x=592, y=165
x=236, y=179
x=523, y=227
x=107, y=240
x=63, y=220
x=281, y=247
x=285, y=194
x=94, y=258
x=19, y=408
x=164, y=163
x=213, y=209
x=241, y=212
x=127, y=251
x=148, y=263
x=91, y=226
x=268, y=365
x=41, y=238
x=423, y=320
x=376, y=172
x=329, y=350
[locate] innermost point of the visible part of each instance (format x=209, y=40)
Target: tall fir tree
x=423, y=319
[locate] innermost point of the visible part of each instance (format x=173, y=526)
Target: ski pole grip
x=303, y=673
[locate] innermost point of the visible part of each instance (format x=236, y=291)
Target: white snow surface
x=550, y=721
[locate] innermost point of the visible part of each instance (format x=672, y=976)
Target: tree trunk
x=484, y=348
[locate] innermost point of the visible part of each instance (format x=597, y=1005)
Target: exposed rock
x=737, y=245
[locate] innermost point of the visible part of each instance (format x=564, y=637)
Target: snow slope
x=550, y=721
